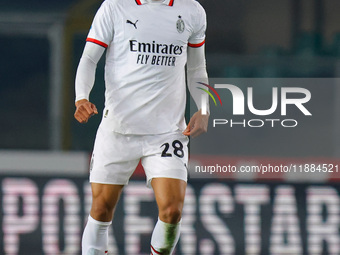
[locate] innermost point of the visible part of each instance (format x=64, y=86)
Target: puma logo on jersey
x=134, y=24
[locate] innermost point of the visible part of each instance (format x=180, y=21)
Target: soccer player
x=148, y=44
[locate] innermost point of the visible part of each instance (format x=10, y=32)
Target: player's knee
x=171, y=214
x=101, y=212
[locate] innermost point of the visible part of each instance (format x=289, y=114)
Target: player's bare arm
x=84, y=110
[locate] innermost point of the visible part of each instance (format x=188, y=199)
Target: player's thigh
x=104, y=200
x=166, y=157
x=169, y=194
x=115, y=157
x=169, y=191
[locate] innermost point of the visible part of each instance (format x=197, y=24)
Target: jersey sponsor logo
x=134, y=24
x=157, y=54
x=180, y=25
x=159, y=48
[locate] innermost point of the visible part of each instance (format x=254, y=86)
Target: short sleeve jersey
x=145, y=61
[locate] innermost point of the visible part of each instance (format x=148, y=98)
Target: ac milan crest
x=180, y=25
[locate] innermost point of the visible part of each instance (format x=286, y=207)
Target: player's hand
x=84, y=111
x=198, y=125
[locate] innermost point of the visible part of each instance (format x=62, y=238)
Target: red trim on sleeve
x=196, y=45
x=138, y=2
x=171, y=3
x=97, y=42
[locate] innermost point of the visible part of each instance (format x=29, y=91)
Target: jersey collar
x=166, y=2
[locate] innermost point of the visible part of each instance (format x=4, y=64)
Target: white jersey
x=145, y=61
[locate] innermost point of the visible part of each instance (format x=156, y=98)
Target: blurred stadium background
x=44, y=153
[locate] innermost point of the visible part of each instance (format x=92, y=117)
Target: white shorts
x=116, y=156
